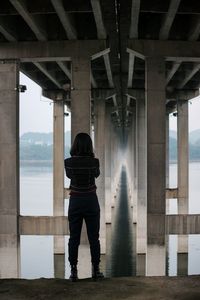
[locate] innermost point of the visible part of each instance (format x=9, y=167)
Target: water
x=36, y=198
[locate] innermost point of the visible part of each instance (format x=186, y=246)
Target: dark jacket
x=82, y=170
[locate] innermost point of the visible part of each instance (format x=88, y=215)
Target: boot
x=74, y=274
x=96, y=274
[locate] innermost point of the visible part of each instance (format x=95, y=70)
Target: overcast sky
x=36, y=112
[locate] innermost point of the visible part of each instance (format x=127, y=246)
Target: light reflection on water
x=36, y=193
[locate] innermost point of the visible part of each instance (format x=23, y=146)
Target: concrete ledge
x=44, y=225
x=182, y=224
x=66, y=193
x=171, y=193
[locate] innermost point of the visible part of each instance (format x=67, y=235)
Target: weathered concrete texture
x=155, y=110
x=184, y=288
x=80, y=97
x=9, y=170
x=99, y=135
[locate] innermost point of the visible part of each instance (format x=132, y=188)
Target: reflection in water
x=121, y=249
x=37, y=259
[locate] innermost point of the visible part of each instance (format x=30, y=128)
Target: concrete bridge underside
x=120, y=67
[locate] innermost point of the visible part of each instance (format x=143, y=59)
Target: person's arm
x=67, y=170
x=97, y=170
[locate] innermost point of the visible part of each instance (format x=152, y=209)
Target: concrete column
x=141, y=227
x=58, y=183
x=155, y=109
x=113, y=163
x=9, y=171
x=99, y=136
x=183, y=157
x=80, y=96
x=167, y=186
x=135, y=165
x=108, y=165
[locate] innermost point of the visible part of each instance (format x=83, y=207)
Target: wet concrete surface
x=122, y=260
x=137, y=288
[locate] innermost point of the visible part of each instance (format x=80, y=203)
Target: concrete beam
x=65, y=19
x=65, y=69
x=93, y=81
x=173, y=70
x=96, y=7
x=32, y=76
x=182, y=94
x=49, y=225
x=6, y=32
x=182, y=224
x=171, y=50
x=135, y=11
x=21, y=7
x=44, y=70
x=52, y=50
x=108, y=70
x=43, y=225
x=171, y=193
x=68, y=73
x=195, y=31
x=189, y=76
x=168, y=19
x=130, y=69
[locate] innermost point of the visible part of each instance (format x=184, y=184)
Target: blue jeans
x=84, y=207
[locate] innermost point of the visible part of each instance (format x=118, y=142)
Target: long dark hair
x=82, y=145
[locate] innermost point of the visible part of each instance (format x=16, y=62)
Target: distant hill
x=194, y=145
x=195, y=137
x=40, y=138
x=39, y=145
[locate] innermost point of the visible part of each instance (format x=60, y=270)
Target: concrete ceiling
x=114, y=20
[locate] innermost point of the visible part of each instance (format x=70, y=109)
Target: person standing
x=82, y=168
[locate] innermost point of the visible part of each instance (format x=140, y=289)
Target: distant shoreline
x=36, y=163
x=50, y=162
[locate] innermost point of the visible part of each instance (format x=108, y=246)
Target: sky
x=36, y=111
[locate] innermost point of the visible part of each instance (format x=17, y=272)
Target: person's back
x=82, y=168
x=82, y=171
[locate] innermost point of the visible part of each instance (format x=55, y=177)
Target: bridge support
x=58, y=182
x=80, y=96
x=108, y=142
x=182, y=127
x=99, y=134
x=141, y=227
x=9, y=171
x=155, y=108
x=167, y=187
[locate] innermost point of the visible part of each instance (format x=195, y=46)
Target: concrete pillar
x=80, y=96
x=155, y=109
x=167, y=186
x=108, y=165
x=9, y=171
x=113, y=164
x=183, y=157
x=81, y=122
x=135, y=165
x=141, y=227
x=99, y=136
x=58, y=182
